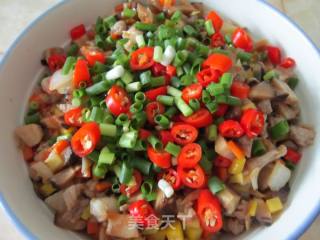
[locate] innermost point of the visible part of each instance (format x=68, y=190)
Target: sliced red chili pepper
x=199, y=119
x=152, y=110
x=219, y=62
x=222, y=162
x=158, y=70
x=81, y=74
x=161, y=158
x=92, y=227
x=56, y=62
x=293, y=156
x=93, y=55
x=73, y=117
x=117, y=100
x=207, y=76
x=288, y=63
x=240, y=89
x=252, y=122
x=184, y=133
x=144, y=134
x=241, y=39
x=221, y=173
x=217, y=21
x=171, y=70
x=165, y=137
x=132, y=189
x=222, y=109
x=27, y=153
x=217, y=40
x=77, y=32
x=172, y=177
x=231, y=129
x=209, y=212
x=190, y=155
x=193, y=91
x=152, y=94
x=274, y=54
x=142, y=58
x=60, y=146
x=141, y=211
x=84, y=141
x=192, y=177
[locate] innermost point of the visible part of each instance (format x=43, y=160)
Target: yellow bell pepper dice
x=175, y=232
x=237, y=178
x=274, y=204
x=252, y=209
x=237, y=166
x=157, y=235
x=193, y=229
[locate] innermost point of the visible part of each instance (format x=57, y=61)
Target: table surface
x=304, y=12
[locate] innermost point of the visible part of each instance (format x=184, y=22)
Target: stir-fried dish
x=163, y=122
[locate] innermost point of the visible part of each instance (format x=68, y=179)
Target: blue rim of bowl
x=30, y=236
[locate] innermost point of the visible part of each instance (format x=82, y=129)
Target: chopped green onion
x=99, y=67
x=212, y=107
x=226, y=80
x=136, y=107
x=145, y=26
x=98, y=88
x=183, y=107
x=270, y=75
x=128, y=139
x=145, y=77
x=176, y=16
x=134, y=87
x=99, y=42
x=138, y=120
x=140, y=146
x=127, y=77
x=215, y=185
x=140, y=97
x=280, y=130
x=126, y=173
x=68, y=65
x=97, y=115
x=93, y=156
x=171, y=112
x=78, y=93
x=292, y=82
x=209, y=27
x=115, y=187
x=157, y=54
x=206, y=164
x=100, y=171
x=123, y=199
x=221, y=99
x=258, y=148
x=106, y=157
x=189, y=30
x=140, y=41
x=128, y=13
x=73, y=49
x=180, y=58
x=108, y=118
x=150, y=197
x=147, y=187
x=212, y=132
x=194, y=104
x=109, y=21
x=162, y=120
x=155, y=142
x=108, y=130
x=218, y=120
x=228, y=39
x=122, y=119
x=33, y=108
x=174, y=92
x=206, y=98
x=244, y=56
x=181, y=43
x=33, y=118
x=157, y=81
x=233, y=101
x=160, y=17
x=186, y=80
x=215, y=89
x=165, y=100
x=173, y=149
x=142, y=165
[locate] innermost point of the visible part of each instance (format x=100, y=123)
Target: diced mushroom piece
x=131, y=34
x=288, y=112
x=101, y=207
x=155, y=4
x=264, y=175
x=65, y=107
x=291, y=144
x=30, y=134
x=64, y=177
x=119, y=226
x=71, y=195
x=263, y=214
x=103, y=232
x=282, y=88
x=254, y=165
x=40, y=170
x=199, y=6
x=221, y=147
x=265, y=106
x=185, y=7
x=246, y=145
x=163, y=205
x=302, y=135
x=229, y=200
x=144, y=13
x=278, y=177
x=118, y=27
x=52, y=122
x=242, y=210
x=72, y=219
x=42, y=155
x=262, y=91
x=235, y=226
x=56, y=202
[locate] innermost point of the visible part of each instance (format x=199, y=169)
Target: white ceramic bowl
x=20, y=69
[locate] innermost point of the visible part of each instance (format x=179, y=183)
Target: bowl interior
x=21, y=69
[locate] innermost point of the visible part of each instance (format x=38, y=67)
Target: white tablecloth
x=16, y=14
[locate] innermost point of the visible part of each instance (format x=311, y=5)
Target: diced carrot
x=103, y=186
x=92, y=227
x=60, y=146
x=27, y=153
x=236, y=150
